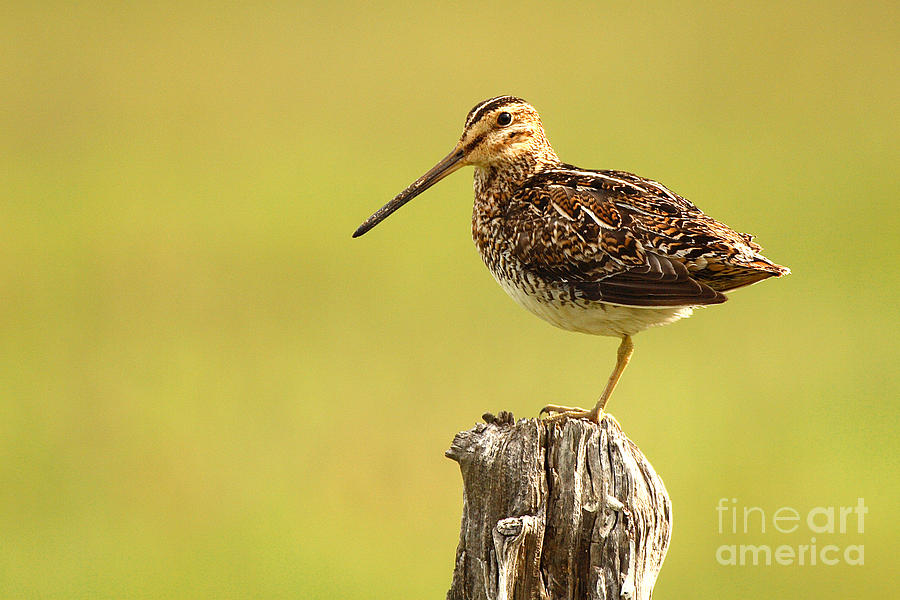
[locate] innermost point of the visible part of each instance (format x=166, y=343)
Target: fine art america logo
x=831, y=531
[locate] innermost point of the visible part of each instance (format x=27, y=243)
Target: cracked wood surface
x=557, y=510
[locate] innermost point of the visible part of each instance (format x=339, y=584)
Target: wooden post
x=557, y=510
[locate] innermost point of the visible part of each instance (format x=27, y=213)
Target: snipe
x=601, y=252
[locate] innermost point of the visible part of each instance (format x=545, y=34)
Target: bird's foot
x=561, y=413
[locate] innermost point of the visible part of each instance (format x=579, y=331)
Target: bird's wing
x=713, y=253
x=569, y=229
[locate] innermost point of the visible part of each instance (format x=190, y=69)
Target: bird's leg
x=562, y=410
x=626, y=349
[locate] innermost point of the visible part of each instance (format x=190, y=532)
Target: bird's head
x=501, y=131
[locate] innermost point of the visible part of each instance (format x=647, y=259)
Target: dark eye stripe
x=473, y=143
x=489, y=106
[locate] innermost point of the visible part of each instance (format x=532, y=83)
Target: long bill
x=447, y=165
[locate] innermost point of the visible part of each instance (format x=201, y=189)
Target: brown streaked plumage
x=600, y=252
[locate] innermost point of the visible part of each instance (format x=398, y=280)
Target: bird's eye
x=504, y=119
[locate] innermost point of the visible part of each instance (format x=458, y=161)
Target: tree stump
x=557, y=510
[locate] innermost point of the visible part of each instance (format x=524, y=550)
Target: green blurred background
x=208, y=390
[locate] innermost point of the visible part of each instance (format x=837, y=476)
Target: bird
x=601, y=252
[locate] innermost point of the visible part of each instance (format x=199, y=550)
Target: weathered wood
x=557, y=510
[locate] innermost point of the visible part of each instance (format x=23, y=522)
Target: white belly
x=597, y=318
